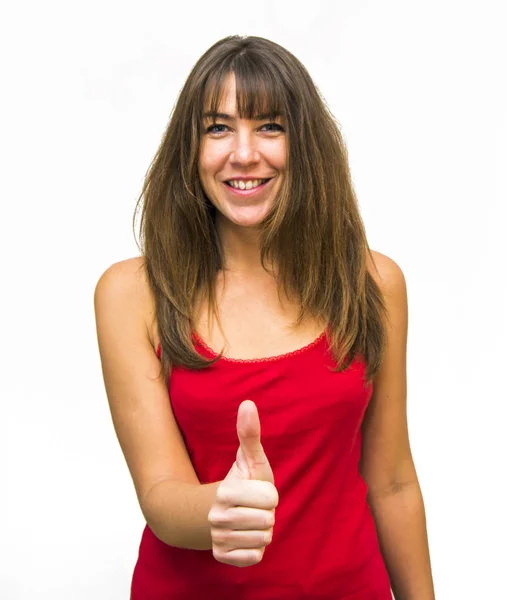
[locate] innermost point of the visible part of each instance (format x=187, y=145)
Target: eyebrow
x=226, y=117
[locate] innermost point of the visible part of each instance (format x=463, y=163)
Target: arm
x=386, y=464
x=401, y=527
x=177, y=513
x=172, y=500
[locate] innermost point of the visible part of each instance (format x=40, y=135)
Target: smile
x=248, y=188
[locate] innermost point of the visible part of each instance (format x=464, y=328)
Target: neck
x=241, y=247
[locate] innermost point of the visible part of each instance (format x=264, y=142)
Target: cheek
x=207, y=170
x=279, y=156
x=209, y=162
x=204, y=157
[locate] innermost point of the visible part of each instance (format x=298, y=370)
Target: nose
x=244, y=151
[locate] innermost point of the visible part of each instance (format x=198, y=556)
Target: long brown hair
x=313, y=232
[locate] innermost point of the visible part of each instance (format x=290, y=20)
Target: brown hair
x=313, y=232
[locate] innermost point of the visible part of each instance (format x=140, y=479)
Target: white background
x=418, y=89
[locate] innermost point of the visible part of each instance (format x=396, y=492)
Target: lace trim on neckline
x=309, y=346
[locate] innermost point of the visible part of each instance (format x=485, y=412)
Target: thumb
x=251, y=456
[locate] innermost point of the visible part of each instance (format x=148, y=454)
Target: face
x=241, y=162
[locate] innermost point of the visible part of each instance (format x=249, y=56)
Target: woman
x=253, y=245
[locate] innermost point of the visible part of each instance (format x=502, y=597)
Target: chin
x=247, y=216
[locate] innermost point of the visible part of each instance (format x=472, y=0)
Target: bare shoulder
x=129, y=272
x=386, y=272
x=386, y=461
x=137, y=394
x=125, y=283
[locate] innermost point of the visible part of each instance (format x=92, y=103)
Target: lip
x=243, y=193
x=251, y=178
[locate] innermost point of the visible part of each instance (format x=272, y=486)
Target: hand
x=243, y=513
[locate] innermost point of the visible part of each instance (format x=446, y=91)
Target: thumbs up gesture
x=243, y=513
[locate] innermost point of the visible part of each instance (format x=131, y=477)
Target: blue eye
x=275, y=125
x=273, y=128
x=210, y=129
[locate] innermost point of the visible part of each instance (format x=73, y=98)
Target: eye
x=276, y=127
x=212, y=128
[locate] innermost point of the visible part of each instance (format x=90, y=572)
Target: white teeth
x=242, y=185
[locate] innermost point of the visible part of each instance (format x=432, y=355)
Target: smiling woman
x=253, y=244
x=249, y=110
x=241, y=162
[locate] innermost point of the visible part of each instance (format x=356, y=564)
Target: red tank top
x=324, y=543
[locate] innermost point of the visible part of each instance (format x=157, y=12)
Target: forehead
x=245, y=98
x=223, y=99
x=227, y=101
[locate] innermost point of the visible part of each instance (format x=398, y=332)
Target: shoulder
x=390, y=279
x=124, y=285
x=386, y=272
x=386, y=462
x=124, y=278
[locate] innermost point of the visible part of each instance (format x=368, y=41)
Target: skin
x=242, y=516
x=241, y=148
x=243, y=511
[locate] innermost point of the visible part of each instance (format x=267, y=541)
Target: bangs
x=258, y=92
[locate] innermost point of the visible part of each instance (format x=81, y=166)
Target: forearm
x=177, y=513
x=401, y=528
